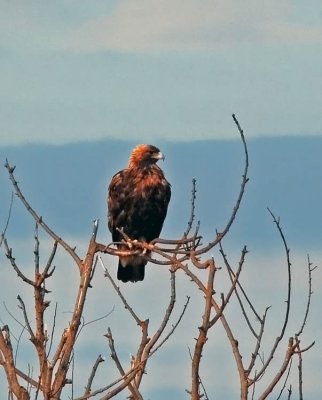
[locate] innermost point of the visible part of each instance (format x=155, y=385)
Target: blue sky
x=158, y=69
x=83, y=82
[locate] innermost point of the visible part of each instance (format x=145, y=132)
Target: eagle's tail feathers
x=131, y=273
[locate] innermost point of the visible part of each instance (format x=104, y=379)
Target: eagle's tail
x=132, y=268
x=131, y=272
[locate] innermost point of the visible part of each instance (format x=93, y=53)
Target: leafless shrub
x=187, y=254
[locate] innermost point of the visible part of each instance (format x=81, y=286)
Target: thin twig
x=14, y=264
x=244, y=181
x=118, y=291
x=130, y=374
x=88, y=388
x=7, y=221
x=288, y=301
x=14, y=318
x=310, y=292
x=36, y=251
x=84, y=324
x=146, y=345
x=52, y=330
x=23, y=307
x=255, y=353
x=174, y=326
x=46, y=274
x=232, y=289
x=285, y=380
x=193, y=207
x=232, y=273
x=133, y=388
x=18, y=343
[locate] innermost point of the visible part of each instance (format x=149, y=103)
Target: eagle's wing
x=137, y=206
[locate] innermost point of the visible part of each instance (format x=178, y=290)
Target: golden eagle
x=138, y=198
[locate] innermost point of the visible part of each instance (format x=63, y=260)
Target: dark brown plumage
x=138, y=198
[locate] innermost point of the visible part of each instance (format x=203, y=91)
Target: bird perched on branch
x=138, y=198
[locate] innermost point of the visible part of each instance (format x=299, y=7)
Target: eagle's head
x=145, y=155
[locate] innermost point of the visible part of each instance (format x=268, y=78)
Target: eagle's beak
x=159, y=156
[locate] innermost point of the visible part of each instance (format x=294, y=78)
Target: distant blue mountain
x=67, y=186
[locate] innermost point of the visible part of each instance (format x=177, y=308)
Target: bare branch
x=146, y=345
x=114, y=356
x=244, y=181
x=129, y=376
x=14, y=318
x=255, y=353
x=52, y=331
x=133, y=388
x=193, y=207
x=288, y=301
x=23, y=308
x=200, y=381
x=232, y=274
x=300, y=372
x=286, y=380
x=88, y=388
x=292, y=344
x=234, y=282
x=118, y=291
x=174, y=326
x=167, y=314
x=14, y=265
x=67, y=341
x=46, y=274
x=203, y=331
x=310, y=292
x=7, y=361
x=36, y=251
x=7, y=221
x=39, y=219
